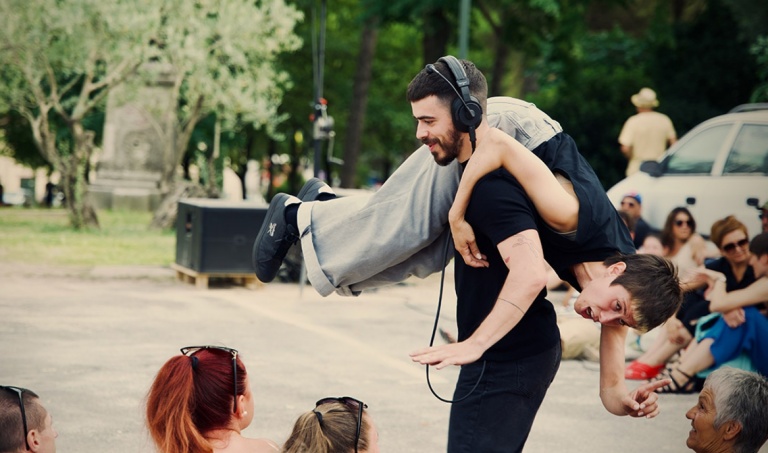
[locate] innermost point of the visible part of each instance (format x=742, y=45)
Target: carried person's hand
x=464, y=242
x=643, y=401
x=441, y=356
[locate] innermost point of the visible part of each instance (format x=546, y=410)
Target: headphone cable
x=434, y=330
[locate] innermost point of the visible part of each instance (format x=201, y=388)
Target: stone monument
x=138, y=139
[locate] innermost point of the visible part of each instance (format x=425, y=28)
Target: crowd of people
x=527, y=199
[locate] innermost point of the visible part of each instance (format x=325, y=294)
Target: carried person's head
x=205, y=388
x=731, y=413
x=640, y=291
x=25, y=425
x=335, y=425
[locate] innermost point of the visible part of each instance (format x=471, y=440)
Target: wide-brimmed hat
x=645, y=98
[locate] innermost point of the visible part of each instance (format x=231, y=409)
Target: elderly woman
x=731, y=414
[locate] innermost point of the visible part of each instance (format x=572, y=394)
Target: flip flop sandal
x=639, y=371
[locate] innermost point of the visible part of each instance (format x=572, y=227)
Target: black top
x=498, y=210
x=601, y=233
x=642, y=229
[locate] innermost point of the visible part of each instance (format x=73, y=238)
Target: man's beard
x=450, y=147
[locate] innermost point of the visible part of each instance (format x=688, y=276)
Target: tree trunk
x=437, y=33
x=81, y=211
x=356, y=122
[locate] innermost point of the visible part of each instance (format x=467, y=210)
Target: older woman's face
x=735, y=247
x=703, y=437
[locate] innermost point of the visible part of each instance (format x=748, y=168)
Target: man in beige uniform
x=645, y=136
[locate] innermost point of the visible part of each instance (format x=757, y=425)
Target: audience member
x=646, y=134
x=727, y=339
x=764, y=216
x=652, y=245
x=335, y=425
x=200, y=401
x=731, y=237
x=683, y=246
x=632, y=204
x=25, y=425
x=731, y=415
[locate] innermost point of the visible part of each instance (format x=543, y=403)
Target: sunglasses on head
x=20, y=393
x=731, y=246
x=684, y=222
x=353, y=404
x=192, y=350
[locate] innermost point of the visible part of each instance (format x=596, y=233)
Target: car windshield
x=697, y=155
x=750, y=151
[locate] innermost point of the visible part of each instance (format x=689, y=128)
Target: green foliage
x=760, y=50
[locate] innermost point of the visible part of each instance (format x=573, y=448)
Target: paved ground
x=90, y=340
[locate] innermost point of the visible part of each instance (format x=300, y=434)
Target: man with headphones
x=355, y=243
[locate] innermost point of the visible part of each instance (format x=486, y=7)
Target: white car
x=718, y=168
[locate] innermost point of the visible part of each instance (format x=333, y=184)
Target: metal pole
x=319, y=65
x=464, y=8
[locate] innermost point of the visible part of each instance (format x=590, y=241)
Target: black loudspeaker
x=216, y=236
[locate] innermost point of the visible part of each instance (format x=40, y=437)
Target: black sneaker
x=275, y=237
x=313, y=189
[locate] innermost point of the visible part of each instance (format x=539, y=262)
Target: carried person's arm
x=527, y=277
x=616, y=397
x=558, y=207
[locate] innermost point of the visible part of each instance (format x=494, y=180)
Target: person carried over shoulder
x=200, y=401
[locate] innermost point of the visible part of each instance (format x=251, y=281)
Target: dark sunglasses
x=20, y=391
x=731, y=246
x=191, y=350
x=683, y=222
x=354, y=405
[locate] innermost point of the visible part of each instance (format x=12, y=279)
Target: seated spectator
x=731, y=237
x=200, y=401
x=632, y=204
x=25, y=425
x=335, y=425
x=683, y=246
x=652, y=245
x=731, y=415
x=729, y=338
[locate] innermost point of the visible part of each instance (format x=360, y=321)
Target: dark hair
x=11, y=425
x=185, y=403
x=723, y=227
x=336, y=434
x=431, y=84
x=628, y=220
x=667, y=237
x=759, y=245
x=653, y=285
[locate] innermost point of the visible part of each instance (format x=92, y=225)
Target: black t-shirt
x=601, y=232
x=498, y=210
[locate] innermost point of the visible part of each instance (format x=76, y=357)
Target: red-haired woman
x=199, y=403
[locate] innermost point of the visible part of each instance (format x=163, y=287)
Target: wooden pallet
x=200, y=279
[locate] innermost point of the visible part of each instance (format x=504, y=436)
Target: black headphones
x=466, y=111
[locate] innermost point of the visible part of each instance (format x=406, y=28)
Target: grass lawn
x=43, y=236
